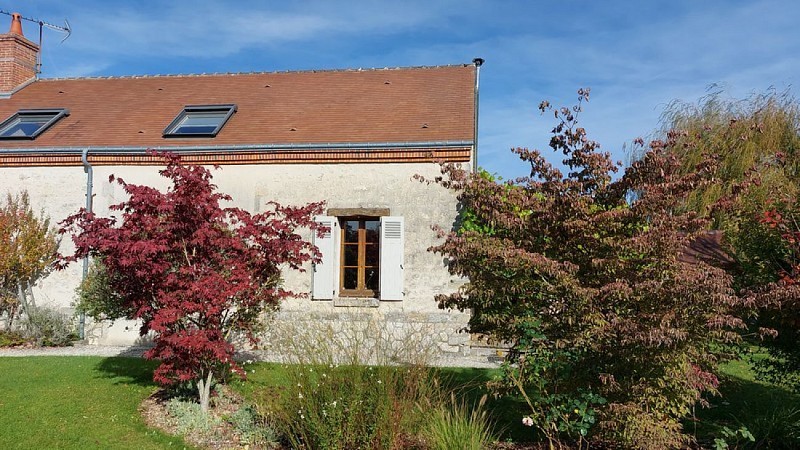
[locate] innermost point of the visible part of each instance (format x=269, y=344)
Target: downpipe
x=87, y=169
x=478, y=63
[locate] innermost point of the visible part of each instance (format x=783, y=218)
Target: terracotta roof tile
x=708, y=248
x=353, y=106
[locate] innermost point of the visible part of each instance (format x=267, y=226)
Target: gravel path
x=76, y=350
x=136, y=351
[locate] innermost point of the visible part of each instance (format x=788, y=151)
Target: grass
x=91, y=402
x=77, y=403
x=771, y=413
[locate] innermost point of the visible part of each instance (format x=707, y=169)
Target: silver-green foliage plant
x=48, y=327
x=251, y=428
x=189, y=418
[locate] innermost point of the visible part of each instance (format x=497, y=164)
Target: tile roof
x=420, y=104
x=709, y=248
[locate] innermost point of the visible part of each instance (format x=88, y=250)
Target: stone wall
x=60, y=191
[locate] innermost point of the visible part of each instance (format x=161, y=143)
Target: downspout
x=478, y=63
x=87, y=168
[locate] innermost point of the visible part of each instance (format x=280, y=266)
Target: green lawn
x=769, y=412
x=77, y=403
x=91, y=402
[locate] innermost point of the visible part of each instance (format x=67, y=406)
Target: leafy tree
x=28, y=247
x=196, y=274
x=614, y=335
x=780, y=299
x=758, y=142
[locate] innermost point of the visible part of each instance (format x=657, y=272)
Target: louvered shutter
x=324, y=283
x=392, y=237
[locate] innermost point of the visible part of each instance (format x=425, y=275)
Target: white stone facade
x=60, y=191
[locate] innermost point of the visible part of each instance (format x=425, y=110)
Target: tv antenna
x=42, y=25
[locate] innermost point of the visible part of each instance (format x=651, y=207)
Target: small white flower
x=299, y=395
x=527, y=421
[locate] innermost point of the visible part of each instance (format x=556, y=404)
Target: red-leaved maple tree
x=196, y=274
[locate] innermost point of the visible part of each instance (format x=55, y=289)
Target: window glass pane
x=195, y=119
x=351, y=231
x=21, y=129
x=351, y=255
x=199, y=120
x=372, y=256
x=350, y=278
x=373, y=230
x=371, y=279
x=25, y=125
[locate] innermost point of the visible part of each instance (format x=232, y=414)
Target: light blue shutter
x=392, y=237
x=324, y=283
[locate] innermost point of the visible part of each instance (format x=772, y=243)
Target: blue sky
x=636, y=56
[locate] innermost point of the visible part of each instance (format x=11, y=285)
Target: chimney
x=18, y=57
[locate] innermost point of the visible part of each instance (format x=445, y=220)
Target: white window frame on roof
x=44, y=117
x=178, y=126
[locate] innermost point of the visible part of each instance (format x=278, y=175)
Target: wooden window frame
x=361, y=289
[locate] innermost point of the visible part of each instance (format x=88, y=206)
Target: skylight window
x=29, y=123
x=200, y=120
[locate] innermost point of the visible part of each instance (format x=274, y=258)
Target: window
x=200, y=120
x=29, y=123
x=361, y=257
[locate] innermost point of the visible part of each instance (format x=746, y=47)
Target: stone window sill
x=356, y=302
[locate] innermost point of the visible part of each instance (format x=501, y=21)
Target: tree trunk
x=204, y=389
x=30, y=293
x=23, y=301
x=12, y=311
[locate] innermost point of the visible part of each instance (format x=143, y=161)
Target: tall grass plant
x=351, y=384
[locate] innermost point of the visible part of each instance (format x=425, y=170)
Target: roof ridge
x=276, y=72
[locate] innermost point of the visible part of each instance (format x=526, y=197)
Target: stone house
x=353, y=138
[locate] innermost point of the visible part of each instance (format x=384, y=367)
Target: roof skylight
x=200, y=120
x=29, y=123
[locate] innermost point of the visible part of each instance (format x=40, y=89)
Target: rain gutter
x=245, y=148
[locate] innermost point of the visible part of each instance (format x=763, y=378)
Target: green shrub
x=96, y=298
x=11, y=338
x=457, y=426
x=49, y=328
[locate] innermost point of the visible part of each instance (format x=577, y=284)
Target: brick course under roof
x=420, y=104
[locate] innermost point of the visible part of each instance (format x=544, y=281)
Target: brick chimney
x=17, y=57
